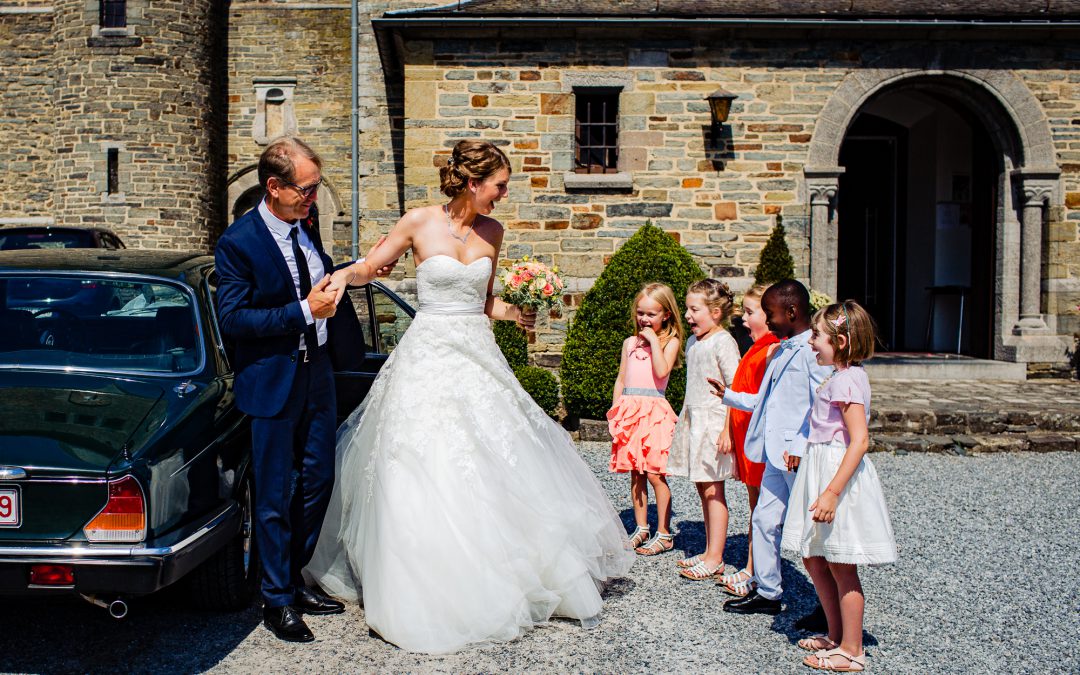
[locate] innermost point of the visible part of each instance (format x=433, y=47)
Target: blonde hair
x=470, y=160
x=849, y=319
x=672, y=327
x=717, y=296
x=755, y=292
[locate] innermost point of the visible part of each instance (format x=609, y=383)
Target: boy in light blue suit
x=777, y=433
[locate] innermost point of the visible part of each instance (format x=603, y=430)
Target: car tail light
x=52, y=575
x=124, y=517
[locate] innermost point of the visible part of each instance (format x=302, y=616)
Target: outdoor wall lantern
x=720, y=106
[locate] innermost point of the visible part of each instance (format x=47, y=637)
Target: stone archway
x=244, y=184
x=1029, y=185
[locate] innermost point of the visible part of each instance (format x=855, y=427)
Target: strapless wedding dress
x=462, y=513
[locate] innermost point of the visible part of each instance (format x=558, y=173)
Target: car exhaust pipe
x=118, y=609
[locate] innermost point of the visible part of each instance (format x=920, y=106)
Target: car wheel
x=229, y=579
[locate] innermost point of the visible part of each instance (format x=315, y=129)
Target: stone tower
x=140, y=120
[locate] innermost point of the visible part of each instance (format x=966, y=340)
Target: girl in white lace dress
x=462, y=513
x=697, y=451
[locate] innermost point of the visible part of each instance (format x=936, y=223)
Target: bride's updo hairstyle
x=470, y=159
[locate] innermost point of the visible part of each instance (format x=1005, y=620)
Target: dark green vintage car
x=124, y=462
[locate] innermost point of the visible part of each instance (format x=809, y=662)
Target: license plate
x=10, y=508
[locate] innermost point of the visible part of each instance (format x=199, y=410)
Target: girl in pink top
x=837, y=518
x=641, y=420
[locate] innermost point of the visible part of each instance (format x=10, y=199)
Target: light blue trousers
x=768, y=524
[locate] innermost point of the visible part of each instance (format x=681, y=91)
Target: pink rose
x=515, y=281
x=549, y=290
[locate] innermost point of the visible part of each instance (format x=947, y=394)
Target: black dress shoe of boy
x=815, y=621
x=311, y=601
x=752, y=603
x=287, y=624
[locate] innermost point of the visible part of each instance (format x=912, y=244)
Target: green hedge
x=775, y=263
x=513, y=342
x=542, y=386
x=591, y=353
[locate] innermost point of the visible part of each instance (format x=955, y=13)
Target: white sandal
x=639, y=536
x=738, y=583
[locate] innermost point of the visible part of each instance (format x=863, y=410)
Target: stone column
x=1035, y=190
x=822, y=186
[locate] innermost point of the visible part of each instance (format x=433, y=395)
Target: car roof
x=135, y=261
x=54, y=228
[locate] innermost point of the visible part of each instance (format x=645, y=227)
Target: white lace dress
x=462, y=513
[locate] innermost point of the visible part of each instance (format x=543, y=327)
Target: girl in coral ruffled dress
x=641, y=420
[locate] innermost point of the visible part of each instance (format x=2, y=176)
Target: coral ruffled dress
x=748, y=377
x=642, y=422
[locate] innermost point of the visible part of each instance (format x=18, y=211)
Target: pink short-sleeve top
x=849, y=385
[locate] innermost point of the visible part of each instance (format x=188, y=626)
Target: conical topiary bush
x=591, y=354
x=775, y=263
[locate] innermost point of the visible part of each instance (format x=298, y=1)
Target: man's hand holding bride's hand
x=339, y=283
x=526, y=318
x=321, y=300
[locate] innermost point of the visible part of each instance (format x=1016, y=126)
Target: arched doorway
x=1008, y=137
x=916, y=220
x=244, y=193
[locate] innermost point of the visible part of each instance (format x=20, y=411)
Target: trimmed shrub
x=591, y=353
x=542, y=386
x=513, y=342
x=775, y=263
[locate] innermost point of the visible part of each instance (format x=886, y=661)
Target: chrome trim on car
x=12, y=473
x=107, y=551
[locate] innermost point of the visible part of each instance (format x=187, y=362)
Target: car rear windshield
x=91, y=323
x=12, y=241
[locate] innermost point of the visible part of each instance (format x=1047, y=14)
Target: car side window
x=359, y=299
x=391, y=319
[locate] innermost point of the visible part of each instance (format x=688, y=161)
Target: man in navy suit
x=273, y=305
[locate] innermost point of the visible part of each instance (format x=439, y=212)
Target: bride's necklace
x=450, y=226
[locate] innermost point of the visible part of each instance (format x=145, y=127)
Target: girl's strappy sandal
x=738, y=583
x=639, y=536
x=824, y=660
x=660, y=543
x=701, y=571
x=814, y=643
x=686, y=563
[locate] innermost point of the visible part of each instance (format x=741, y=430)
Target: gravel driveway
x=987, y=582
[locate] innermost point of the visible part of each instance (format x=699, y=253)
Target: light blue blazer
x=781, y=408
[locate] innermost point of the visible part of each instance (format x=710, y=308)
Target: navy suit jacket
x=259, y=311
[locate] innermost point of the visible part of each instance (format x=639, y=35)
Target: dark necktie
x=311, y=336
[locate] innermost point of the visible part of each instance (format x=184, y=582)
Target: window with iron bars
x=596, y=130
x=113, y=14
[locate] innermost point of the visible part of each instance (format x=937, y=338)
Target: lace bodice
x=442, y=281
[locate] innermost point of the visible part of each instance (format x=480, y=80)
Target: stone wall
x=151, y=93
x=26, y=81
x=718, y=196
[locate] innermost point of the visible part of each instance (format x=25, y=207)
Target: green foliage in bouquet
x=591, y=353
x=541, y=385
x=775, y=263
x=513, y=342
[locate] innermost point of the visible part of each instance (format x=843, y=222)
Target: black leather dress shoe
x=287, y=624
x=752, y=603
x=815, y=621
x=311, y=601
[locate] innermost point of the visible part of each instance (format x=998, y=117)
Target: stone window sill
x=113, y=37
x=114, y=199
x=624, y=180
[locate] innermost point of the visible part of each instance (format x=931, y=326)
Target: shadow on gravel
x=161, y=634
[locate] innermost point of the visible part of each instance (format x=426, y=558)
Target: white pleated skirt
x=861, y=533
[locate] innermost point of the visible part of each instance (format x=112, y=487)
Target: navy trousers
x=293, y=460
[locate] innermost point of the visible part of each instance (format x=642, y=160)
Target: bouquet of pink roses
x=530, y=284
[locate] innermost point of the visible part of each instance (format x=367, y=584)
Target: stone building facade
x=917, y=153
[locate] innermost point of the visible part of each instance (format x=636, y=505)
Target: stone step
x=952, y=421
x=915, y=435
x=963, y=444
x=888, y=367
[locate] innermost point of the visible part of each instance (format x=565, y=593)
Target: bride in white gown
x=462, y=513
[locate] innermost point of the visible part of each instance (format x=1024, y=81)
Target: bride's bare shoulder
x=421, y=215
x=490, y=224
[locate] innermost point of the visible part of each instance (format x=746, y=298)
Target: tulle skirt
x=462, y=513
x=861, y=532
x=641, y=430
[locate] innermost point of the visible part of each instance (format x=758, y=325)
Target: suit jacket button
x=293, y=358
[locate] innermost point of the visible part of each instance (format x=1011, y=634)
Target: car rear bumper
x=119, y=569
